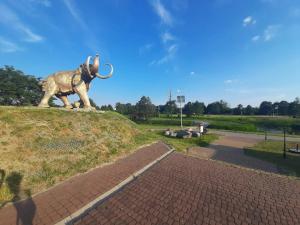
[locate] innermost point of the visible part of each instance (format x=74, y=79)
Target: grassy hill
x=44, y=146
x=41, y=147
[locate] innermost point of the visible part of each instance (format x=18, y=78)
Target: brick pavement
x=62, y=200
x=230, y=149
x=186, y=190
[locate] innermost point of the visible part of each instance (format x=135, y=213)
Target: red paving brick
x=57, y=203
x=186, y=190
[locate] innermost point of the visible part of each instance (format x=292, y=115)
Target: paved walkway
x=187, y=190
x=230, y=149
x=57, y=203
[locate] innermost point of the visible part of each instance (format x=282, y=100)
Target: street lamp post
x=180, y=100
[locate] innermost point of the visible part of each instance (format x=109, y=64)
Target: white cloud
x=271, y=32
x=92, y=42
x=167, y=36
x=8, y=46
x=249, y=20
x=231, y=81
x=171, y=52
x=75, y=13
x=256, y=38
x=11, y=19
x=164, y=15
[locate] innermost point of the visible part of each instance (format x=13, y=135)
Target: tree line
x=221, y=107
x=19, y=89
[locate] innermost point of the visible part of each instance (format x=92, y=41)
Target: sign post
x=181, y=100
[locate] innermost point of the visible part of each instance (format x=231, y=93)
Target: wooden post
x=266, y=138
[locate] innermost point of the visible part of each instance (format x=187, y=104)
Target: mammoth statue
x=64, y=83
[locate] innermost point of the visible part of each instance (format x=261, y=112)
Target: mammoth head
x=93, y=69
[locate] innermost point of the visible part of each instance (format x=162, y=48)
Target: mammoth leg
x=45, y=99
x=81, y=90
x=66, y=102
x=85, y=99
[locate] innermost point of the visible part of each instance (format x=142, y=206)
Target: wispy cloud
x=256, y=38
x=268, y=34
x=75, y=13
x=171, y=52
x=145, y=48
x=91, y=40
x=169, y=41
x=8, y=46
x=164, y=15
x=295, y=12
x=249, y=20
x=46, y=3
x=271, y=32
x=167, y=36
x=231, y=81
x=11, y=20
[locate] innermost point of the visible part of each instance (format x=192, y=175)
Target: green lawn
x=149, y=135
x=272, y=151
x=233, y=123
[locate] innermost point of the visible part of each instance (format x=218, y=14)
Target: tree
x=188, y=109
x=238, y=110
x=224, y=107
x=249, y=110
x=294, y=108
x=213, y=108
x=125, y=109
x=144, y=108
x=170, y=108
x=283, y=108
x=93, y=104
x=107, y=108
x=121, y=108
x=198, y=108
x=265, y=108
x=18, y=89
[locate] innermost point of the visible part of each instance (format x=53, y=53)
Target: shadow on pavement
x=25, y=209
x=232, y=155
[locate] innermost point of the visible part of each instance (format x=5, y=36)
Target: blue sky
x=242, y=51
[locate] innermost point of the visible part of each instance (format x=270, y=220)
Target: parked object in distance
x=295, y=150
x=64, y=83
x=188, y=133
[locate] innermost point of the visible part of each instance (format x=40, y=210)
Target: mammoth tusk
x=107, y=76
x=87, y=63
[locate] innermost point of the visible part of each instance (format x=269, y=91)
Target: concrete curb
x=101, y=198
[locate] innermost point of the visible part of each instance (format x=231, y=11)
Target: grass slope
x=40, y=147
x=272, y=151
